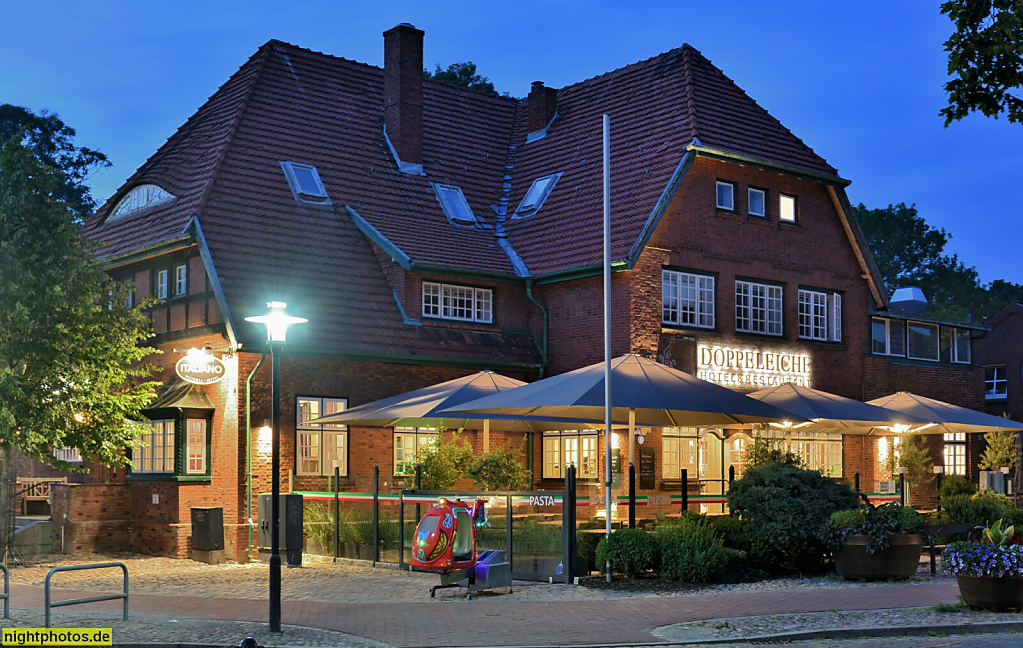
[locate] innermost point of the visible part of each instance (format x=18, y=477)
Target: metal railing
x=90, y=599
x=7, y=591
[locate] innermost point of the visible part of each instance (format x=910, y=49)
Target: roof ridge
x=687, y=76
x=233, y=128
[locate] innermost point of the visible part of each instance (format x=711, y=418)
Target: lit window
x=408, y=443
x=180, y=280
x=453, y=202
x=787, y=208
x=680, y=448
x=922, y=341
x=955, y=344
x=995, y=383
x=820, y=315
x=819, y=451
x=462, y=303
x=161, y=284
x=154, y=448
x=756, y=202
x=758, y=308
x=196, y=446
x=888, y=337
x=955, y=453
x=139, y=199
x=537, y=194
x=687, y=299
x=726, y=195
x=305, y=183
x=561, y=449
x=319, y=445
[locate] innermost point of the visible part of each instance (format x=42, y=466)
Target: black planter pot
x=899, y=560
x=992, y=593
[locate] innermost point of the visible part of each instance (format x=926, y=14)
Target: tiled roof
x=291, y=104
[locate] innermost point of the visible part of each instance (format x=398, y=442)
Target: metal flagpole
x=607, y=330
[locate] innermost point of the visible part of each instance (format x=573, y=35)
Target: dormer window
x=305, y=183
x=139, y=199
x=453, y=202
x=537, y=194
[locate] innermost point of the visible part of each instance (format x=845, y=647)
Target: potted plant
x=989, y=570
x=880, y=543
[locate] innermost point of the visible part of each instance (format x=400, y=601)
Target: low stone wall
x=91, y=517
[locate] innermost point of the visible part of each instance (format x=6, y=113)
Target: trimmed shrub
x=956, y=485
x=785, y=505
x=630, y=551
x=973, y=509
x=739, y=537
x=691, y=552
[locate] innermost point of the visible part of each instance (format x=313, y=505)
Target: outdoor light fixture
x=938, y=469
x=277, y=322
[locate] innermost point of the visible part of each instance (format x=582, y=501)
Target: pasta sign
x=200, y=368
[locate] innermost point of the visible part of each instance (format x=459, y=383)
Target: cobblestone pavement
x=180, y=601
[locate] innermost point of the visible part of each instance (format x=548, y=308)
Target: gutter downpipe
x=543, y=367
x=248, y=451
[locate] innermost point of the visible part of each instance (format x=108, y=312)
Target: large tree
x=985, y=59
x=463, y=75
x=51, y=142
x=71, y=363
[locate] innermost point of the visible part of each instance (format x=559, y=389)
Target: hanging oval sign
x=200, y=369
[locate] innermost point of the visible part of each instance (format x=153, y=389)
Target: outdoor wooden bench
x=945, y=529
x=35, y=490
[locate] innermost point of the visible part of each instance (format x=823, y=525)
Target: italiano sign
x=200, y=368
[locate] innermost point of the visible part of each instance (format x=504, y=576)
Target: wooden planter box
x=899, y=560
x=993, y=593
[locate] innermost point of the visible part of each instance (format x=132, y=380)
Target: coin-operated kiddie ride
x=445, y=543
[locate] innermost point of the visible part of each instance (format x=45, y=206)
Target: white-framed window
x=320, y=444
x=922, y=341
x=161, y=284
x=757, y=202
x=758, y=308
x=537, y=194
x=818, y=450
x=195, y=447
x=955, y=344
x=995, y=383
x=820, y=315
x=726, y=195
x=787, y=208
x=453, y=202
x=408, y=443
x=569, y=448
x=462, y=303
x=687, y=299
x=154, y=448
x=180, y=280
x=129, y=297
x=888, y=337
x=955, y=453
x=680, y=448
x=139, y=199
x=304, y=181
x=70, y=455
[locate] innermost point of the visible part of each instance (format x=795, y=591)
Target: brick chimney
x=541, y=105
x=403, y=91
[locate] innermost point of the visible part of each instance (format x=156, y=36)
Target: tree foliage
x=443, y=463
x=909, y=252
x=51, y=142
x=463, y=75
x=765, y=450
x=70, y=360
x=913, y=457
x=498, y=470
x=985, y=59
x=1002, y=450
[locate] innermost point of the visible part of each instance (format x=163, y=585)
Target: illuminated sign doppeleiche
x=751, y=367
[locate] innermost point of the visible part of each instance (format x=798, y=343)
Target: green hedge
x=630, y=551
x=690, y=552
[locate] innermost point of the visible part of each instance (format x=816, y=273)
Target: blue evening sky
x=860, y=82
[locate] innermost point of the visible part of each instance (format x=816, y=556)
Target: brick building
x=428, y=231
x=1000, y=354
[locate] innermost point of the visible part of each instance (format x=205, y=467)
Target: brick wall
x=91, y=517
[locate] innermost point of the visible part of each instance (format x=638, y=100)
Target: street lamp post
x=277, y=322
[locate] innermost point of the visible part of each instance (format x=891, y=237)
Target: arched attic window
x=139, y=199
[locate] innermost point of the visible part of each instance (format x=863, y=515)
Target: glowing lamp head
x=900, y=428
x=276, y=321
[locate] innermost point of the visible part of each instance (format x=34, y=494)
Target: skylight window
x=305, y=183
x=452, y=200
x=140, y=198
x=537, y=194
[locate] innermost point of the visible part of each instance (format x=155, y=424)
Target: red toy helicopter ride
x=445, y=543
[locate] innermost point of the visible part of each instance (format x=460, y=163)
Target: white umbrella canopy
x=656, y=394
x=826, y=412
x=421, y=408
x=944, y=416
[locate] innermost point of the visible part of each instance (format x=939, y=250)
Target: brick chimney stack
x=403, y=91
x=541, y=104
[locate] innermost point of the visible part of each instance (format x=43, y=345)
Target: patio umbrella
x=825, y=412
x=643, y=391
x=948, y=417
x=422, y=408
